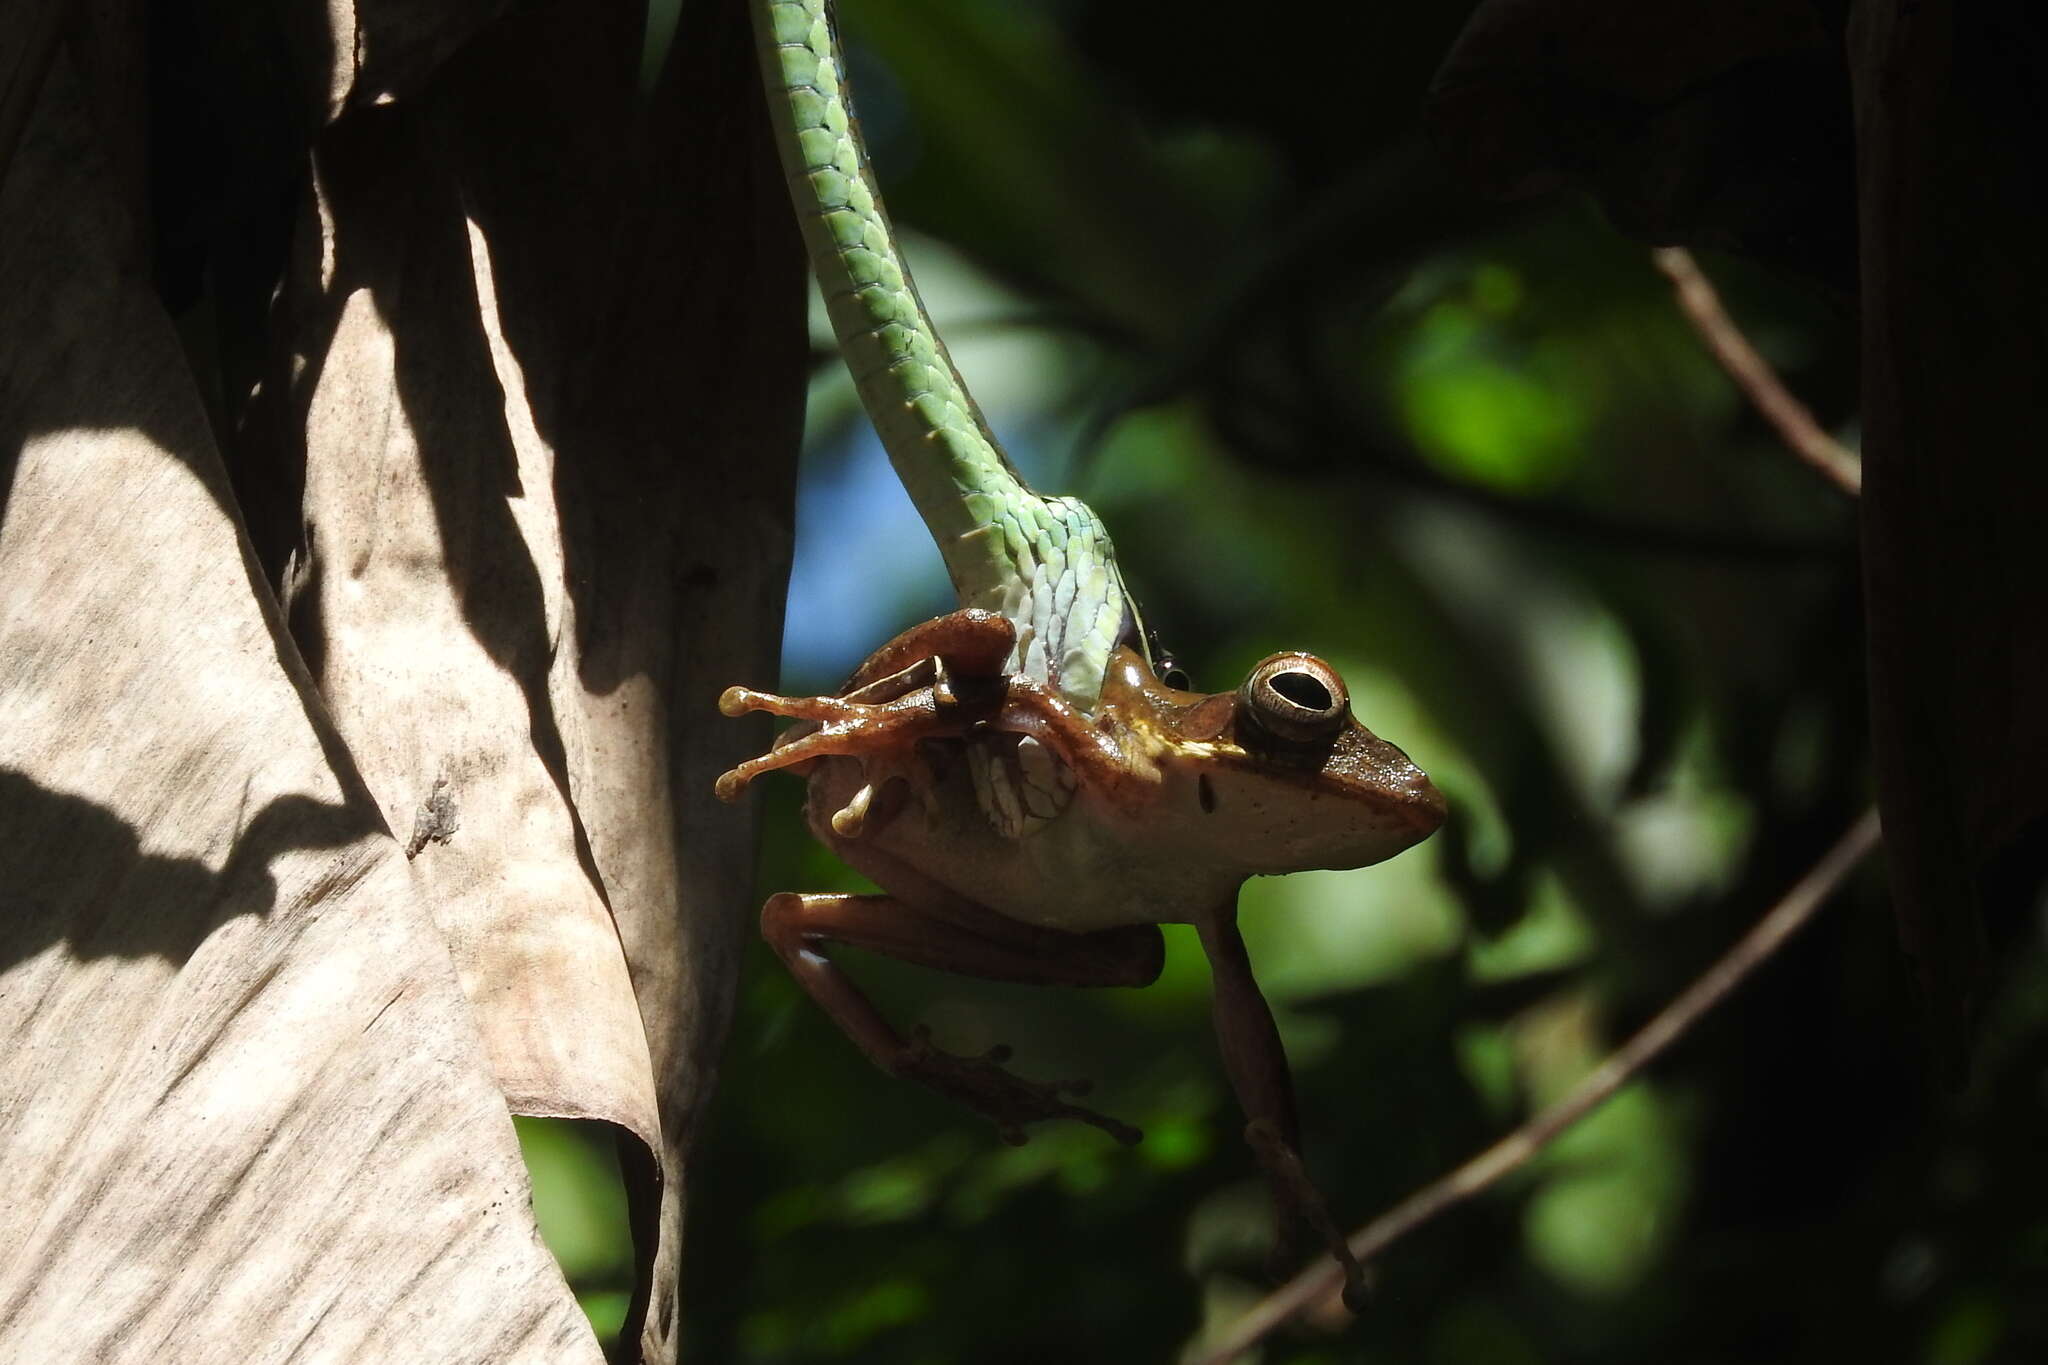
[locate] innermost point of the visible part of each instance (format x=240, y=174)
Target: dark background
x=1202, y=269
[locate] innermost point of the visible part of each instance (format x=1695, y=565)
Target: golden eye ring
x=1296, y=698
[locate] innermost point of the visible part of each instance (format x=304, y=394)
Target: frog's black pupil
x=1303, y=690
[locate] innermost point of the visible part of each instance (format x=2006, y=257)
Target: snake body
x=1046, y=563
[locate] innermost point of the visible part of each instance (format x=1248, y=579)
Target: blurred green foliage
x=1198, y=272
x=580, y=1204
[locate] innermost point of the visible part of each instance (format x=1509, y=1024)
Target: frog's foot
x=871, y=809
x=1297, y=1202
x=983, y=1085
x=884, y=734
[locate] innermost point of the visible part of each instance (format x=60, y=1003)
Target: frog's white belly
x=1093, y=866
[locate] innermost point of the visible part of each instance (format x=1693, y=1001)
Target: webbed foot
x=985, y=1086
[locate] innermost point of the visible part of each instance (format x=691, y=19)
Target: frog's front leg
x=848, y=728
x=933, y=681
x=973, y=643
x=965, y=940
x=1257, y=1065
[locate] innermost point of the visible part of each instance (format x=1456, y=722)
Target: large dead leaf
x=519, y=466
x=541, y=536
x=244, y=1111
x=28, y=37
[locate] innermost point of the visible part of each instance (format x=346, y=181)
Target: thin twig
x=1770, y=933
x=1754, y=375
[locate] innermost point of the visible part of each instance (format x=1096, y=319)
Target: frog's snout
x=1417, y=798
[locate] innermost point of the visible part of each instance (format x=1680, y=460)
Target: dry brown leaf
x=244, y=1111
x=29, y=30
x=520, y=468
x=548, y=461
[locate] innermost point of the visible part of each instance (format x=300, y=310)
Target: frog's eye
x=1295, y=698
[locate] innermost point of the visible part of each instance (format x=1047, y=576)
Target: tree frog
x=1161, y=803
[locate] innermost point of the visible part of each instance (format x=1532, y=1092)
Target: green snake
x=1043, y=562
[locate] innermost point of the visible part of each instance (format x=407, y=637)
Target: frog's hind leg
x=971, y=941
x=1257, y=1065
x=973, y=644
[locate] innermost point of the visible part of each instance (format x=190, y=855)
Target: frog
x=1162, y=803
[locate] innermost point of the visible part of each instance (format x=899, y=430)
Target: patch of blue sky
x=865, y=566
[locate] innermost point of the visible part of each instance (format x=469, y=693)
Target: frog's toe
x=1299, y=1206
x=880, y=798
x=1124, y=1133
x=1009, y=1101
x=850, y=821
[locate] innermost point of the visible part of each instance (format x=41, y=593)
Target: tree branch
x=1752, y=374
x=1670, y=1024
